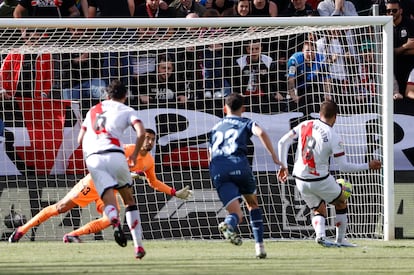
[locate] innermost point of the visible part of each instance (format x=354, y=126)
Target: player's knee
x=128, y=199
x=320, y=210
x=240, y=218
x=340, y=204
x=129, y=202
x=62, y=207
x=252, y=205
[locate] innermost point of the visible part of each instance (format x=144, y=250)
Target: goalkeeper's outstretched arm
x=144, y=167
x=184, y=193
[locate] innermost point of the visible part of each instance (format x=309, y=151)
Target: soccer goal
x=178, y=71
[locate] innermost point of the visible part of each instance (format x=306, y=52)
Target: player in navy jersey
x=231, y=172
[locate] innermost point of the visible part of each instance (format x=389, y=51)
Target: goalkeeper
x=84, y=192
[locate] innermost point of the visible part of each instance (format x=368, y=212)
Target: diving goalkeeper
x=84, y=192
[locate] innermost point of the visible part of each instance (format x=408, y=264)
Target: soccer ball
x=346, y=187
x=14, y=219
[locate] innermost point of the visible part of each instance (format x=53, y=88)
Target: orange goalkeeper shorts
x=84, y=193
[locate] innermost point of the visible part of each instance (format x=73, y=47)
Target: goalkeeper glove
x=184, y=193
x=138, y=175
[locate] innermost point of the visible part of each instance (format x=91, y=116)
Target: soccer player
x=100, y=136
x=231, y=172
x=144, y=167
x=84, y=193
x=317, y=141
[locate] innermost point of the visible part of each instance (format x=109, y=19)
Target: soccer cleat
x=345, y=243
x=139, y=252
x=15, y=236
x=230, y=234
x=119, y=235
x=260, y=251
x=325, y=243
x=71, y=239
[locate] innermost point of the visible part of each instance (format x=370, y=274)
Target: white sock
x=111, y=212
x=318, y=223
x=341, y=222
x=134, y=223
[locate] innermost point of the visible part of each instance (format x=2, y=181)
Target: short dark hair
x=211, y=13
x=310, y=43
x=150, y=131
x=329, y=109
x=164, y=58
x=235, y=101
x=393, y=2
x=116, y=90
x=248, y=43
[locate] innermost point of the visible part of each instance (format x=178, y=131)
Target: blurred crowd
x=285, y=73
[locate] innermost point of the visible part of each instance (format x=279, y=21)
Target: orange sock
x=39, y=218
x=92, y=227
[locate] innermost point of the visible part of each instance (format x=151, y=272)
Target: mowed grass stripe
x=207, y=257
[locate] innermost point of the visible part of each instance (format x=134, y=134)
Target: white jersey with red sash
x=317, y=141
x=105, y=123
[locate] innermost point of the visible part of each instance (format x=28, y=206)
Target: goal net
x=178, y=71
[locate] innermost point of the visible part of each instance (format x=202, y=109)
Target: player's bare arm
x=184, y=193
x=140, y=131
x=283, y=145
x=264, y=138
x=81, y=135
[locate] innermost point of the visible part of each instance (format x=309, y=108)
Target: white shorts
x=313, y=192
x=109, y=170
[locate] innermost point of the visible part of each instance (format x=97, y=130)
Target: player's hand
x=138, y=175
x=375, y=164
x=184, y=193
x=132, y=160
x=282, y=174
x=397, y=96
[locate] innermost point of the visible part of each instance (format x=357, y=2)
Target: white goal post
x=40, y=160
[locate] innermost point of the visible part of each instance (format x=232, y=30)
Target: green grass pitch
x=207, y=257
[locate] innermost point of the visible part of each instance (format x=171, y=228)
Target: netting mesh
x=177, y=78
x=69, y=40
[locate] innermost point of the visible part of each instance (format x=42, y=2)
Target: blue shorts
x=232, y=179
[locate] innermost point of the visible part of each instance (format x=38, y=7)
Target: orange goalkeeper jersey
x=146, y=164
x=84, y=192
